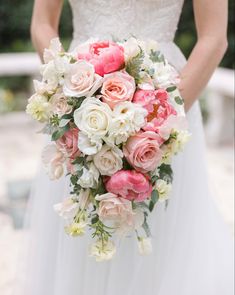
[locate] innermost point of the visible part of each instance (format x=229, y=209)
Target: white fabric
x=192, y=248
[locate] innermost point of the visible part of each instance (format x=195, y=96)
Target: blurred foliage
x=15, y=37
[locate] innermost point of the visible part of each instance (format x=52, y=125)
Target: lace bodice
x=155, y=19
x=145, y=19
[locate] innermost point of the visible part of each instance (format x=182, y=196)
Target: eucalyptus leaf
x=64, y=122
x=154, y=196
x=179, y=100
x=171, y=88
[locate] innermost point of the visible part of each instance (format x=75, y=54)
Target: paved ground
x=19, y=156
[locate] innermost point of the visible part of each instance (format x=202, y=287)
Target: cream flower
x=129, y=118
x=145, y=246
x=89, y=146
x=164, y=75
x=163, y=189
x=55, y=48
x=76, y=228
x=93, y=118
x=39, y=108
x=81, y=80
x=53, y=160
x=90, y=177
x=66, y=209
x=59, y=104
x=102, y=250
x=108, y=160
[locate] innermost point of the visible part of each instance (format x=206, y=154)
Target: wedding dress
x=192, y=250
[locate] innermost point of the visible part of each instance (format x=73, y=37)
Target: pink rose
x=114, y=208
x=106, y=56
x=117, y=87
x=157, y=104
x=130, y=185
x=143, y=151
x=68, y=143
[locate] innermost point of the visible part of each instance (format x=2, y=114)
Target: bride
x=192, y=249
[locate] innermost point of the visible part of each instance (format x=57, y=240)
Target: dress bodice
x=155, y=19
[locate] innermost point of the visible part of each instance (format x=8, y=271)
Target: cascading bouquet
x=116, y=118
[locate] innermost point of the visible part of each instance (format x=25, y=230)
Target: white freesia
x=93, y=117
x=90, y=177
x=66, y=209
x=182, y=137
x=102, y=250
x=53, y=160
x=81, y=80
x=39, y=108
x=108, y=160
x=89, y=146
x=55, y=48
x=50, y=74
x=42, y=88
x=129, y=118
x=163, y=189
x=145, y=246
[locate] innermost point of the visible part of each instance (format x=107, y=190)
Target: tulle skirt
x=192, y=248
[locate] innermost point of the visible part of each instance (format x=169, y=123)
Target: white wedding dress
x=192, y=247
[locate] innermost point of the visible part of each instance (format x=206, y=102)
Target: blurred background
x=20, y=145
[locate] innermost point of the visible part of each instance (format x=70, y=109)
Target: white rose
x=81, y=80
x=145, y=246
x=129, y=118
x=90, y=177
x=67, y=209
x=53, y=160
x=102, y=250
x=164, y=75
x=39, y=108
x=93, y=117
x=89, y=146
x=59, y=104
x=108, y=160
x=163, y=189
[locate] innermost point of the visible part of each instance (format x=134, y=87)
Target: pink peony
x=68, y=143
x=143, y=151
x=157, y=104
x=130, y=185
x=117, y=87
x=106, y=56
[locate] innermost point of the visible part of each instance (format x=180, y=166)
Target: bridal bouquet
x=116, y=119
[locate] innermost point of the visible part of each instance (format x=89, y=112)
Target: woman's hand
x=45, y=23
x=211, y=24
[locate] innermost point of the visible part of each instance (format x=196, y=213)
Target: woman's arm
x=45, y=23
x=211, y=25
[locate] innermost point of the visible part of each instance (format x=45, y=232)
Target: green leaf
x=59, y=133
x=133, y=66
x=64, y=122
x=151, y=206
x=94, y=219
x=156, y=56
x=171, y=89
x=179, y=100
x=154, y=196
x=165, y=172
